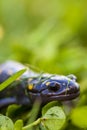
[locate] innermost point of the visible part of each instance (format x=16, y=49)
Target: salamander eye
x=54, y=86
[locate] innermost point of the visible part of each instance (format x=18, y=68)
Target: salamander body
x=31, y=86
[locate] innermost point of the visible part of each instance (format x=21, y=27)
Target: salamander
x=31, y=86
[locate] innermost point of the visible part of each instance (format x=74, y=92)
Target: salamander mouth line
x=65, y=97
x=63, y=94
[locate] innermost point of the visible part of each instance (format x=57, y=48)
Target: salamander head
x=60, y=88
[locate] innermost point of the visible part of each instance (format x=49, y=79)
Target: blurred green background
x=48, y=34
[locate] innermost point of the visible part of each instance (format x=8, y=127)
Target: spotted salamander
x=31, y=86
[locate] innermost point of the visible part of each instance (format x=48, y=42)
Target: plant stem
x=32, y=124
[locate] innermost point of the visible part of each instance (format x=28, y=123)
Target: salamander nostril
x=73, y=89
x=54, y=86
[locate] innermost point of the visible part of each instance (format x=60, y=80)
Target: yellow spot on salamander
x=18, y=79
x=30, y=86
x=30, y=79
x=47, y=83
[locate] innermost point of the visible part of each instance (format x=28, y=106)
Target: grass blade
x=11, y=79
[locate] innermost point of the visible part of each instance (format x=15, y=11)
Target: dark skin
x=30, y=87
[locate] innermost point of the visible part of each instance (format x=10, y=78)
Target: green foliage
x=6, y=123
x=18, y=125
x=50, y=35
x=79, y=117
x=49, y=105
x=12, y=110
x=54, y=118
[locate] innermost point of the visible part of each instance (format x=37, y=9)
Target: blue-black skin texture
x=31, y=86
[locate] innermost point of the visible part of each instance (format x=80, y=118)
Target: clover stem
x=32, y=124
